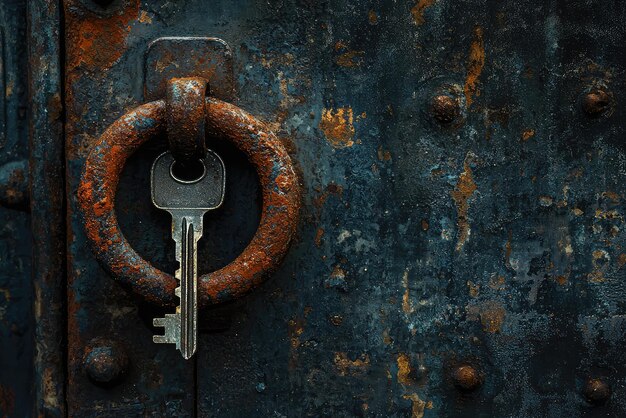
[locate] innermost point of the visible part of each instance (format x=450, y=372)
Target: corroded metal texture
x=16, y=295
x=47, y=208
x=184, y=118
x=279, y=214
x=494, y=241
x=14, y=185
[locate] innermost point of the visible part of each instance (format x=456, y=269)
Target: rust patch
x=600, y=260
x=296, y=328
x=621, y=260
x=338, y=126
x=407, y=303
x=332, y=189
x=383, y=154
x=491, y=314
x=418, y=406
x=144, y=17
x=98, y=42
x=372, y=17
x=475, y=64
x=318, y=236
x=474, y=289
x=345, y=366
x=527, y=134
x=418, y=10
x=348, y=58
x=464, y=189
x=336, y=320
x=561, y=280
x=405, y=370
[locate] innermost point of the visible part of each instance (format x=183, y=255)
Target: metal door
x=460, y=244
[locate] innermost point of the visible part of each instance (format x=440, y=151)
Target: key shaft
x=187, y=202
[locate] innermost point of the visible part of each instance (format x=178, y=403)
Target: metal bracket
x=176, y=57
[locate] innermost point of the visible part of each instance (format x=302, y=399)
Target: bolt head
x=596, y=103
x=105, y=362
x=445, y=109
x=597, y=391
x=466, y=378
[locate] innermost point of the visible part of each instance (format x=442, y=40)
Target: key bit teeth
x=158, y=322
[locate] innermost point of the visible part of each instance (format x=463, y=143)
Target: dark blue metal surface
x=16, y=323
x=461, y=246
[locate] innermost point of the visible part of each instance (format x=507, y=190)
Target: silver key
x=187, y=202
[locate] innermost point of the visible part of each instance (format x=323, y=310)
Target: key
x=187, y=201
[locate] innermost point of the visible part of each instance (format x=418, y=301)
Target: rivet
x=597, y=391
x=105, y=361
x=596, y=103
x=466, y=378
x=444, y=108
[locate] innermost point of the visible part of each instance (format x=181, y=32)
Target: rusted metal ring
x=184, y=104
x=280, y=191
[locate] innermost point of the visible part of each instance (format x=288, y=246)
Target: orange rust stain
x=350, y=59
x=492, y=316
x=600, y=259
x=345, y=366
x=621, y=260
x=296, y=328
x=318, y=236
x=98, y=42
x=331, y=189
x=407, y=303
x=561, y=280
x=383, y=155
x=386, y=337
x=338, y=126
x=464, y=189
x=615, y=197
x=372, y=17
x=418, y=406
x=527, y=134
x=144, y=17
x=418, y=10
x=475, y=64
x=474, y=289
x=404, y=369
x=497, y=283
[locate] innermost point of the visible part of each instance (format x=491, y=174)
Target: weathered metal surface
x=16, y=324
x=184, y=115
x=14, y=185
x=47, y=208
x=184, y=56
x=447, y=245
x=279, y=213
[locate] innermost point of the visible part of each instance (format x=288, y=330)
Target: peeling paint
x=461, y=194
x=418, y=10
x=338, y=126
x=348, y=367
